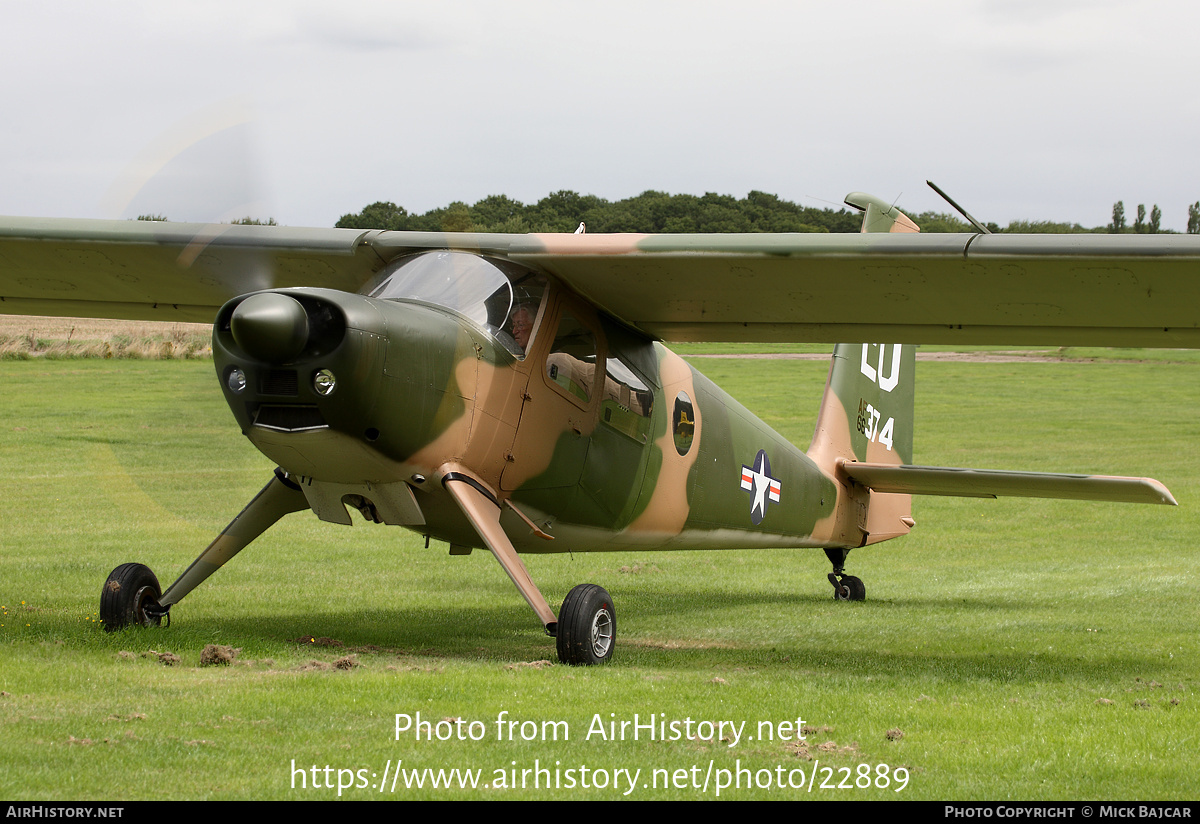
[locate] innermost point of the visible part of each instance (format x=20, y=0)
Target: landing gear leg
x=131, y=593
x=586, y=630
x=845, y=587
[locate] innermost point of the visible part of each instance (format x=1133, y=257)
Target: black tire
x=851, y=589
x=130, y=588
x=587, y=627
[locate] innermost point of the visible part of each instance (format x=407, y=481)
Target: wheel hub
x=602, y=633
x=149, y=613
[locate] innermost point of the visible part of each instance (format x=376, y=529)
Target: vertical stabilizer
x=866, y=415
x=879, y=215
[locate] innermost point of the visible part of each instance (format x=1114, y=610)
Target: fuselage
x=586, y=432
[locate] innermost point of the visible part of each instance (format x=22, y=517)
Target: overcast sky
x=1034, y=109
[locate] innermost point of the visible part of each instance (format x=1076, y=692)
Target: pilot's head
x=522, y=324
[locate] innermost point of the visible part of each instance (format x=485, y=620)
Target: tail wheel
x=850, y=588
x=130, y=596
x=587, y=627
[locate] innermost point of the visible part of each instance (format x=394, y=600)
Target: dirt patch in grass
x=218, y=655
x=638, y=569
x=361, y=649
x=346, y=662
x=530, y=665
x=687, y=643
x=314, y=641
x=414, y=668
x=806, y=749
x=168, y=659
x=799, y=749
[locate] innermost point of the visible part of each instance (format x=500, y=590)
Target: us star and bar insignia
x=762, y=487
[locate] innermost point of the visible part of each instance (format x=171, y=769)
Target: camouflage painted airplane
x=511, y=392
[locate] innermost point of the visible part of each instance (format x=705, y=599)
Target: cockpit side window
x=628, y=402
x=499, y=296
x=571, y=364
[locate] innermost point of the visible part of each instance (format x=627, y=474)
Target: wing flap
x=992, y=483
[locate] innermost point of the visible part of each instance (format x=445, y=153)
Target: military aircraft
x=513, y=393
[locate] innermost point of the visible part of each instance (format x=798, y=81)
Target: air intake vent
x=289, y=418
x=279, y=382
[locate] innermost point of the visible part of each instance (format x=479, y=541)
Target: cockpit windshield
x=499, y=296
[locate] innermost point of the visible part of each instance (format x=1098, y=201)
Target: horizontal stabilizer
x=992, y=483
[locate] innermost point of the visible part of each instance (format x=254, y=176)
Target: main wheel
x=129, y=590
x=851, y=589
x=587, y=626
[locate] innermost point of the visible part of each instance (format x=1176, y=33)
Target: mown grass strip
x=1007, y=649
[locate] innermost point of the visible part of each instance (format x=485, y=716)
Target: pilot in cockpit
x=522, y=324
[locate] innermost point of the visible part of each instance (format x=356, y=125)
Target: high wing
x=1108, y=290
x=1114, y=290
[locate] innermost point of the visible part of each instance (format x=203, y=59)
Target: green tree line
x=656, y=212
x=1142, y=227
x=651, y=212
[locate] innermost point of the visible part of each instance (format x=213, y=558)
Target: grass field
x=1007, y=650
